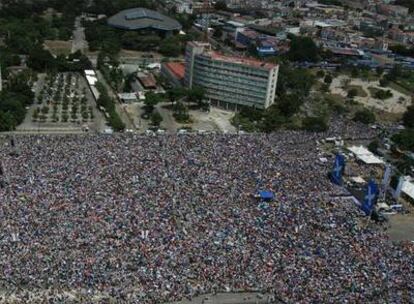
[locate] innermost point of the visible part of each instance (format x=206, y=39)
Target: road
x=79, y=42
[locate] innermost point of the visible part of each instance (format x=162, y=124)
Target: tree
x=320, y=74
x=314, y=124
x=303, y=49
x=272, y=120
x=116, y=122
x=328, y=79
x=294, y=81
x=156, y=118
x=404, y=139
x=383, y=94
x=171, y=47
x=218, y=32
x=373, y=146
x=402, y=50
x=181, y=112
x=325, y=87
x=384, y=82
x=289, y=105
x=196, y=95
x=395, y=73
x=354, y=73
x=365, y=116
x=41, y=60
x=7, y=121
x=408, y=117
x=379, y=71
x=151, y=100
x=220, y=5
x=176, y=93
x=352, y=93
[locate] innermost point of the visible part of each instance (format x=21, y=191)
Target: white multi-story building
x=230, y=82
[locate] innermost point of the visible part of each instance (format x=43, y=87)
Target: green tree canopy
x=220, y=5
x=156, y=118
x=408, y=117
x=289, y=105
x=151, y=100
x=303, y=49
x=365, y=116
x=404, y=139
x=41, y=59
x=314, y=124
x=328, y=79
x=294, y=81
x=196, y=94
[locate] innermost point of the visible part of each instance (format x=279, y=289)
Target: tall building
x=229, y=81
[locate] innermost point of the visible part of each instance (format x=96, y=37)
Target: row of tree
x=108, y=104
x=14, y=99
x=405, y=138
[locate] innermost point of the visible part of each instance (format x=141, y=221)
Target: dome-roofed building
x=144, y=19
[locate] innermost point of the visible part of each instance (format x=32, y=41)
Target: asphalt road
x=79, y=42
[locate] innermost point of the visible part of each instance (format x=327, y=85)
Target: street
x=79, y=42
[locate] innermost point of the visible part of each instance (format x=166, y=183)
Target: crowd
x=153, y=219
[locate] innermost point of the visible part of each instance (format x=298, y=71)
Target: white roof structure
x=358, y=180
x=155, y=65
x=408, y=188
x=95, y=92
x=365, y=155
x=90, y=72
x=92, y=80
x=127, y=96
x=370, y=159
x=235, y=23
x=293, y=30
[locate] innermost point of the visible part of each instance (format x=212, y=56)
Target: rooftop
x=142, y=18
x=242, y=60
x=177, y=68
x=147, y=80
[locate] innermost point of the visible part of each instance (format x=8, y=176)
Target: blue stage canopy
x=266, y=195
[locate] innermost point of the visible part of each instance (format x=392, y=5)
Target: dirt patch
x=130, y=53
x=401, y=227
x=396, y=104
x=216, y=120
x=58, y=47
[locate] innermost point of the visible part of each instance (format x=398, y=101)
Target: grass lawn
x=387, y=116
x=407, y=83
x=336, y=98
x=59, y=47
x=399, y=88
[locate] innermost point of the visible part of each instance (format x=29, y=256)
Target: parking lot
x=64, y=102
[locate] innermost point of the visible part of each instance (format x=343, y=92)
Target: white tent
x=92, y=80
x=365, y=155
x=90, y=72
x=408, y=188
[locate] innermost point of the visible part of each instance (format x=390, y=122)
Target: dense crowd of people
x=153, y=219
